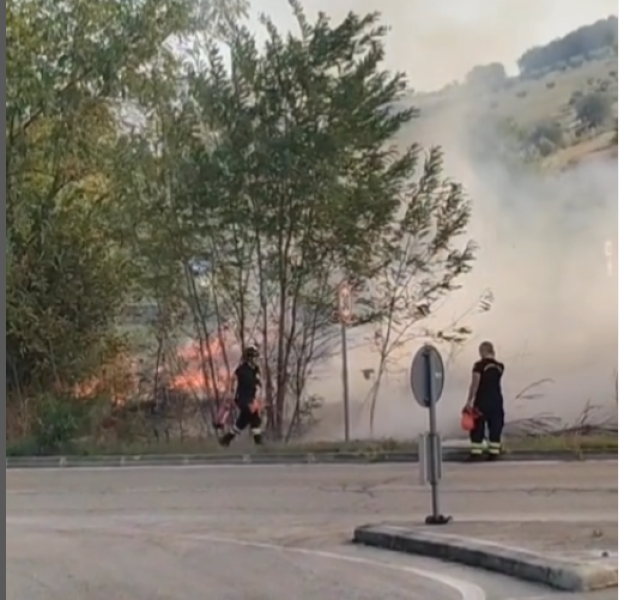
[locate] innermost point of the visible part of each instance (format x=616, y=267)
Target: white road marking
x=467, y=590
x=543, y=597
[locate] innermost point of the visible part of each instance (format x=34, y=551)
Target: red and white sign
x=345, y=302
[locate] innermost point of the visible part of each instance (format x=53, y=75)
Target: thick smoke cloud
x=542, y=238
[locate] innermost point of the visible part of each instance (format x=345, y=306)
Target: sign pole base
x=438, y=520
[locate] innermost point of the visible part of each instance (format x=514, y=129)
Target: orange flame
x=201, y=368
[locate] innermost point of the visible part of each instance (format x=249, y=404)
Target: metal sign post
x=427, y=382
x=345, y=311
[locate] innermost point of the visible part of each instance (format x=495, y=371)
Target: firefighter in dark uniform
x=485, y=399
x=246, y=384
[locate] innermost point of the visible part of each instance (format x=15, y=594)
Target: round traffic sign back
x=427, y=376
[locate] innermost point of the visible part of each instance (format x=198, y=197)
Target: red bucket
x=468, y=419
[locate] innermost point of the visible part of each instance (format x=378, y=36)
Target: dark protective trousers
x=248, y=417
x=487, y=435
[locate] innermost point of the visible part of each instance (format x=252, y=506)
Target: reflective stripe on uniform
x=256, y=431
x=476, y=448
x=494, y=448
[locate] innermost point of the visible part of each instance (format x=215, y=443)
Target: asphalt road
x=270, y=533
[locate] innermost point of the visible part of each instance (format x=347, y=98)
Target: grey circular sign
x=427, y=376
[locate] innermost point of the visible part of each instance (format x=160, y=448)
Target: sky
x=436, y=43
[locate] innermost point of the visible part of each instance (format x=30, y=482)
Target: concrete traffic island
x=573, y=557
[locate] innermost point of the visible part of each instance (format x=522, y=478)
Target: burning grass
x=174, y=414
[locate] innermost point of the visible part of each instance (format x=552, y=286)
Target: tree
x=422, y=262
x=218, y=19
x=170, y=246
x=489, y=77
x=550, y=130
x=547, y=136
x=592, y=110
x=581, y=44
x=299, y=184
x=230, y=195
x=69, y=67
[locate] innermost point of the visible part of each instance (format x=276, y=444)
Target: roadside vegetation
x=176, y=189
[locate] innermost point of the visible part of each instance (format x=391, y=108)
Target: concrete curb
x=451, y=455
x=558, y=573
x=129, y=461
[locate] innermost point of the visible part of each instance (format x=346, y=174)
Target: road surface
x=269, y=533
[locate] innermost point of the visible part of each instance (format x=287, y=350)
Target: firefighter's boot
x=257, y=438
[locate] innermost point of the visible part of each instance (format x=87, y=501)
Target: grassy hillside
x=560, y=114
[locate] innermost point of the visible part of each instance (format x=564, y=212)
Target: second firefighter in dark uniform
x=246, y=383
x=485, y=400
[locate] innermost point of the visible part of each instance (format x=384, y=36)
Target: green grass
x=599, y=442
x=547, y=444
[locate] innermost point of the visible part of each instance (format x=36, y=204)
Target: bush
x=58, y=423
x=25, y=447
x=65, y=286
x=545, y=147
x=575, y=97
x=551, y=85
x=604, y=86
x=593, y=110
x=547, y=131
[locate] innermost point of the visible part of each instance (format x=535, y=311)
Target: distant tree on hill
x=582, y=43
x=546, y=136
x=593, y=109
x=492, y=76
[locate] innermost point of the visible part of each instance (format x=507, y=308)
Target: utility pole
x=345, y=312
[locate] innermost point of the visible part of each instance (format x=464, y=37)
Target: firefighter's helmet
x=251, y=352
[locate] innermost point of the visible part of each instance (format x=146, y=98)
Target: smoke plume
x=541, y=237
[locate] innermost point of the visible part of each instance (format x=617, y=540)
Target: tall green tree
x=72, y=69
x=299, y=183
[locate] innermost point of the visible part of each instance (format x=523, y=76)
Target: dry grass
x=548, y=97
x=598, y=148
x=595, y=430
x=528, y=101
x=569, y=442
